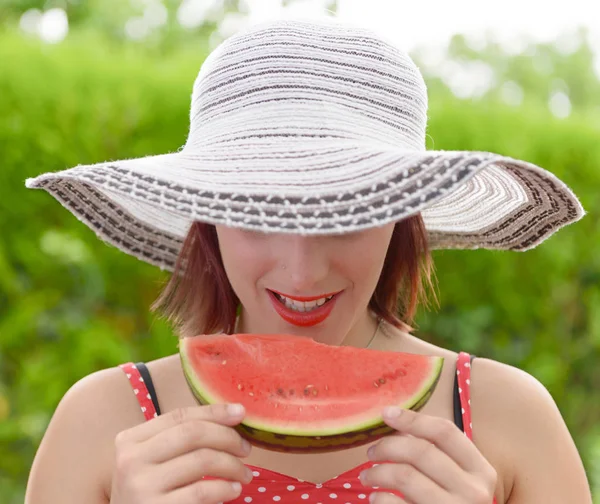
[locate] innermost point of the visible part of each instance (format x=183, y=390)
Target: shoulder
x=105, y=395
x=508, y=383
x=505, y=404
x=514, y=417
x=87, y=419
x=515, y=398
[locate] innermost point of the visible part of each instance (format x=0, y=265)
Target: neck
x=364, y=334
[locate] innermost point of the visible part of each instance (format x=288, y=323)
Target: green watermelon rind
x=415, y=403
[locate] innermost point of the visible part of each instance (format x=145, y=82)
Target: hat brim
x=468, y=199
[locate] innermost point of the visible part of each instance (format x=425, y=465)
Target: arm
x=73, y=462
x=529, y=429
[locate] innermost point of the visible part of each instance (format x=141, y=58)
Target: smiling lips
x=303, y=311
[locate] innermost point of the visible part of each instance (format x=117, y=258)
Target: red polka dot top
x=271, y=487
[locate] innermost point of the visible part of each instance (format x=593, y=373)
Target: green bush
x=69, y=305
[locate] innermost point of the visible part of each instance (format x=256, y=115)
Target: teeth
x=302, y=306
x=309, y=305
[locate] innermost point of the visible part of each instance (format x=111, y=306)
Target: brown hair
x=198, y=298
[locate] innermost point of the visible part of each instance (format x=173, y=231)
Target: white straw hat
x=312, y=127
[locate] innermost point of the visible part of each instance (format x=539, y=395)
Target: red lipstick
x=303, y=319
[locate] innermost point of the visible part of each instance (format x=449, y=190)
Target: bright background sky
x=419, y=22
x=424, y=23
x=410, y=23
x=427, y=24
x=431, y=23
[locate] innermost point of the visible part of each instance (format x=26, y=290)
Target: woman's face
x=259, y=265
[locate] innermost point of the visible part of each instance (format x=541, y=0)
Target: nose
x=306, y=263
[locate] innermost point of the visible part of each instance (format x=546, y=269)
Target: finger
x=386, y=498
x=195, y=465
x=193, y=435
x=423, y=456
x=205, y=492
x=219, y=413
x=414, y=486
x=443, y=433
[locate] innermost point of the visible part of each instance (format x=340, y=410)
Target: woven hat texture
x=312, y=127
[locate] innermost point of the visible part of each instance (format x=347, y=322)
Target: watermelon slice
x=304, y=396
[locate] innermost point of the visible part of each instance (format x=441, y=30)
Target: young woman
x=305, y=200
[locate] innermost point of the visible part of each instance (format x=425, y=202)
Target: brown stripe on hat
x=546, y=211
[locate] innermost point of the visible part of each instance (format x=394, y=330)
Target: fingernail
x=362, y=476
x=246, y=446
x=235, y=409
x=392, y=412
x=372, y=497
x=249, y=475
x=370, y=452
x=237, y=486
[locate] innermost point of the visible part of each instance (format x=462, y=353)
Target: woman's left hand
x=429, y=460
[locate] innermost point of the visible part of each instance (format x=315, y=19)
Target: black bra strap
x=457, y=406
x=149, y=385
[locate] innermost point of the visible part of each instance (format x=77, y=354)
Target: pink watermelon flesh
x=294, y=385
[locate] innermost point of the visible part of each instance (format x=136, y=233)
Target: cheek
x=366, y=259
x=244, y=259
x=366, y=265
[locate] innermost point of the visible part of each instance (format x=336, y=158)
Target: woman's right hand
x=164, y=460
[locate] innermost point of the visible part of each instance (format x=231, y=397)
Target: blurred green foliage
x=109, y=18
x=70, y=305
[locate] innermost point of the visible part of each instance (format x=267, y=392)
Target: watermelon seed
x=240, y=386
x=375, y=384
x=280, y=391
x=314, y=392
x=382, y=380
x=251, y=394
x=224, y=362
